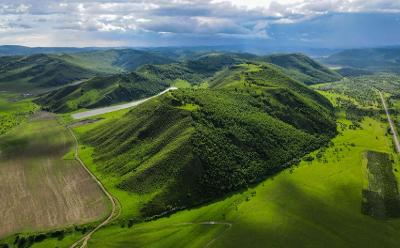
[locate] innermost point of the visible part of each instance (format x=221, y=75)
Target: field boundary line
x=114, y=212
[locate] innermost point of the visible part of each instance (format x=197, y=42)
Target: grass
x=12, y=112
x=314, y=204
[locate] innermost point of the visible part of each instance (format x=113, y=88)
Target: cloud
x=138, y=20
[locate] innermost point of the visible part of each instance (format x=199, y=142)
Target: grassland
x=314, y=204
x=12, y=112
x=317, y=203
x=41, y=190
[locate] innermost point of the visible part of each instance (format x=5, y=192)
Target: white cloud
x=251, y=18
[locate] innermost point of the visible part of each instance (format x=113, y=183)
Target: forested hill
x=253, y=122
x=371, y=59
x=303, y=68
x=48, y=70
x=202, y=70
x=41, y=70
x=101, y=91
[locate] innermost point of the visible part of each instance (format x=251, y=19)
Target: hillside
x=101, y=91
x=115, y=60
x=211, y=141
x=39, y=71
x=303, y=68
x=372, y=59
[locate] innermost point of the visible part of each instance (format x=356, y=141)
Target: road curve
x=114, y=211
x=113, y=108
x=392, y=126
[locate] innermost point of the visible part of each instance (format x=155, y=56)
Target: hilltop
x=211, y=141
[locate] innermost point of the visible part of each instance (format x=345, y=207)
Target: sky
x=274, y=23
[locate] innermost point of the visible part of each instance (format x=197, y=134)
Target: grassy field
x=12, y=112
x=40, y=190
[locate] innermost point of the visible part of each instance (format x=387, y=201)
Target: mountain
x=39, y=70
x=385, y=59
x=204, y=69
x=115, y=60
x=11, y=50
x=192, y=146
x=303, y=68
x=49, y=70
x=101, y=91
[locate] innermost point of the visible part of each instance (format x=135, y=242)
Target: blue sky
x=308, y=23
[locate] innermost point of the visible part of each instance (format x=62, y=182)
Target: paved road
x=392, y=126
x=109, y=109
x=114, y=211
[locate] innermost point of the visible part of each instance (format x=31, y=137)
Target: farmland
x=44, y=190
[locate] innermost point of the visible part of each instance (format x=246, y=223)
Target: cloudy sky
x=310, y=23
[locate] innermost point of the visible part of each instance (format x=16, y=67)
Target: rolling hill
x=101, y=91
x=39, y=70
x=371, y=59
x=211, y=141
x=303, y=68
x=49, y=70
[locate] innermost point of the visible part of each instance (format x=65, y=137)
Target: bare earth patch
x=38, y=189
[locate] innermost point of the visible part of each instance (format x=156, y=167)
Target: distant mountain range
x=386, y=59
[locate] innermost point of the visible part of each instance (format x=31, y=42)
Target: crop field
x=39, y=189
x=381, y=196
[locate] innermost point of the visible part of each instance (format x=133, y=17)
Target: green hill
x=101, y=91
x=115, y=60
x=372, y=59
x=39, y=70
x=49, y=70
x=192, y=146
x=303, y=68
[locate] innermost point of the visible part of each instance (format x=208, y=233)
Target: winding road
x=113, y=108
x=392, y=126
x=114, y=210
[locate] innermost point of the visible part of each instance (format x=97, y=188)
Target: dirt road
x=392, y=126
x=110, y=109
x=114, y=210
x=39, y=188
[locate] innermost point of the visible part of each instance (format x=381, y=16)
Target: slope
x=115, y=60
x=372, y=59
x=101, y=91
x=211, y=142
x=303, y=68
x=38, y=71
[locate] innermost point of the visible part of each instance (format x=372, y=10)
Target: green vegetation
x=315, y=203
x=114, y=60
x=101, y=91
x=303, y=68
x=199, y=72
x=208, y=142
x=24, y=73
x=381, y=196
x=13, y=112
x=371, y=59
